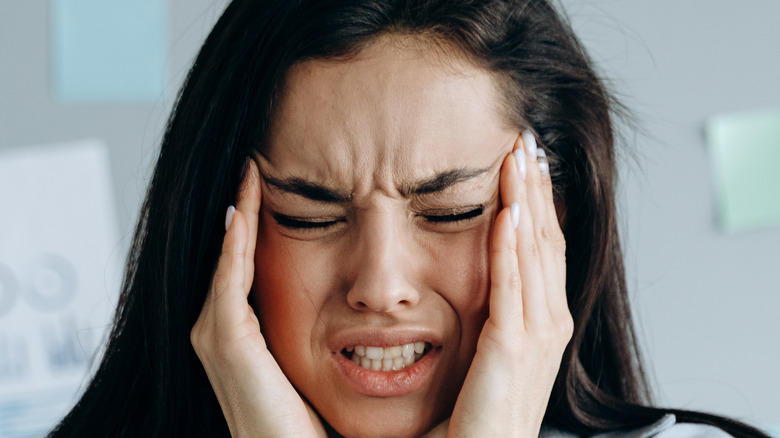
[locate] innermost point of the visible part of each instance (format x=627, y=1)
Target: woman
x=405, y=175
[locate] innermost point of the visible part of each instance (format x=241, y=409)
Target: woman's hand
x=256, y=397
x=519, y=350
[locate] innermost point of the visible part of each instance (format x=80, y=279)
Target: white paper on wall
x=59, y=278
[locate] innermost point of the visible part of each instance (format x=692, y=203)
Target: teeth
x=374, y=353
x=394, y=351
x=387, y=359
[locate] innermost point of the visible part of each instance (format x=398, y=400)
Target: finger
x=228, y=287
x=537, y=201
x=551, y=232
x=547, y=230
x=505, y=284
x=554, y=247
x=515, y=190
x=248, y=203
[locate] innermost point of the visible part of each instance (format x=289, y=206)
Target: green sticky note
x=745, y=155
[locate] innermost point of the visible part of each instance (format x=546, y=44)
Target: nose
x=383, y=267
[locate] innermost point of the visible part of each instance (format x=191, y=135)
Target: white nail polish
x=521, y=165
x=530, y=143
x=229, y=216
x=514, y=213
x=544, y=167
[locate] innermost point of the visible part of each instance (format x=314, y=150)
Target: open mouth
x=393, y=358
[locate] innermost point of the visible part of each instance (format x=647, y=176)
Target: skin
x=489, y=289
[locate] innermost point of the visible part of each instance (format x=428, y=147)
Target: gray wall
x=706, y=301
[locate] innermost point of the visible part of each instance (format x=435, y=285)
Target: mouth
x=386, y=359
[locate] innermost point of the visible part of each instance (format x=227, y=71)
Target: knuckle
x=196, y=338
x=541, y=233
x=511, y=283
x=558, y=245
x=552, y=237
x=533, y=249
x=502, y=248
x=515, y=283
x=566, y=327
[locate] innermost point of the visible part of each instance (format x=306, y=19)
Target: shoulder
x=666, y=427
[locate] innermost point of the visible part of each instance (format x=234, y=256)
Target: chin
x=384, y=423
x=384, y=428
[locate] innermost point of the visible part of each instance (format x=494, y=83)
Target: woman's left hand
x=521, y=345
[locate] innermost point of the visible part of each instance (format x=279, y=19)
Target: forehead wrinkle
x=343, y=127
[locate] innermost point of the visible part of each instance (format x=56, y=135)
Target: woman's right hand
x=255, y=395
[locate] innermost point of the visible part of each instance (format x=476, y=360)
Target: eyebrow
x=441, y=181
x=309, y=190
x=316, y=192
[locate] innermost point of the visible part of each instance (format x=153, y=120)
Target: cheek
x=287, y=292
x=459, y=273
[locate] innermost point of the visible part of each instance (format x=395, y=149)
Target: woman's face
x=379, y=195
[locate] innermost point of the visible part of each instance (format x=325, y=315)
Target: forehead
x=400, y=108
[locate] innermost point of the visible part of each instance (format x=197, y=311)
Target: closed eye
x=454, y=217
x=304, y=223
x=299, y=223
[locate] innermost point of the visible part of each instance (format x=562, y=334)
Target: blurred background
x=86, y=87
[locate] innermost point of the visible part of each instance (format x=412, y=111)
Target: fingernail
x=530, y=143
x=544, y=165
x=520, y=160
x=514, y=213
x=544, y=168
x=229, y=216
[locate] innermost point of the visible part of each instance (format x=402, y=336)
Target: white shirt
x=666, y=427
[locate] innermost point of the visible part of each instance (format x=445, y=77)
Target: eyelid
x=450, y=211
x=305, y=223
x=453, y=215
x=436, y=216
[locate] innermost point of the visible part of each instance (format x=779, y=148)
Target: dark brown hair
x=150, y=382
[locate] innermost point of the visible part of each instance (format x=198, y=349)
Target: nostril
x=359, y=305
x=370, y=295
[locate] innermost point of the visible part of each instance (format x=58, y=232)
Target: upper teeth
x=386, y=359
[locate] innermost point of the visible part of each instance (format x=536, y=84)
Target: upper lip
x=382, y=337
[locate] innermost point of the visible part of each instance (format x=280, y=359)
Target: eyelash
x=291, y=222
x=455, y=217
x=301, y=224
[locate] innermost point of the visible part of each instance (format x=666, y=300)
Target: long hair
x=151, y=383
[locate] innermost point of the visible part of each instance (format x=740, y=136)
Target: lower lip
x=388, y=383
